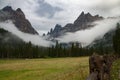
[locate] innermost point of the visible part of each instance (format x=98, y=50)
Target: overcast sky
x=45, y=14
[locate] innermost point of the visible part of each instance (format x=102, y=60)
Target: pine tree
x=116, y=39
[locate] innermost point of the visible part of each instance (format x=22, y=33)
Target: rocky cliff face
x=56, y=30
x=82, y=22
x=18, y=18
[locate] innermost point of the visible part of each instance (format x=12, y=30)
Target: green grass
x=45, y=69
x=115, y=72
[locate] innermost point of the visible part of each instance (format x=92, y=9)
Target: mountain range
x=83, y=22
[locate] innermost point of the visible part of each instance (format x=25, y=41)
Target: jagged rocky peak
x=43, y=34
x=18, y=18
x=7, y=8
x=48, y=33
x=88, y=14
x=84, y=21
x=57, y=27
x=84, y=18
x=51, y=30
x=82, y=13
x=20, y=12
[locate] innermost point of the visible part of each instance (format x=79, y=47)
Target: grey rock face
x=55, y=32
x=82, y=22
x=18, y=18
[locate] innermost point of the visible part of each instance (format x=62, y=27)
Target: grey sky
x=46, y=10
x=45, y=14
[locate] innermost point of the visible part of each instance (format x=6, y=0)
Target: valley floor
x=45, y=69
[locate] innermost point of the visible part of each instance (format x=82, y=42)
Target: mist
x=86, y=37
x=34, y=39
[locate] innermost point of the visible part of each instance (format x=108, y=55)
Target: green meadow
x=115, y=72
x=45, y=69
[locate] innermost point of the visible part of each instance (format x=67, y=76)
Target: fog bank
x=89, y=35
x=34, y=39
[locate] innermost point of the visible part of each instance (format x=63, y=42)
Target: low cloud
x=34, y=39
x=89, y=35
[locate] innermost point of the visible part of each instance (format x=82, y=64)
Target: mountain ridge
x=18, y=18
x=82, y=22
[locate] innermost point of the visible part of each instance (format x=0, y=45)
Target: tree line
x=27, y=50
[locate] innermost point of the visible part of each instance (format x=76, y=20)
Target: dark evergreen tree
x=116, y=40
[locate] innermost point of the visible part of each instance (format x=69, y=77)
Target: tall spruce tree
x=116, y=40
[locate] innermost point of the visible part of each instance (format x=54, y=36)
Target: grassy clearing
x=115, y=72
x=45, y=69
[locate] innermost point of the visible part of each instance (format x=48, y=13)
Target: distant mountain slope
x=82, y=22
x=7, y=38
x=106, y=40
x=104, y=44
x=18, y=18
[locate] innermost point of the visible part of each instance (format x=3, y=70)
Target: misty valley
x=86, y=47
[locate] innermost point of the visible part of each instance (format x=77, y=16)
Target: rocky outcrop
x=56, y=30
x=82, y=22
x=18, y=18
